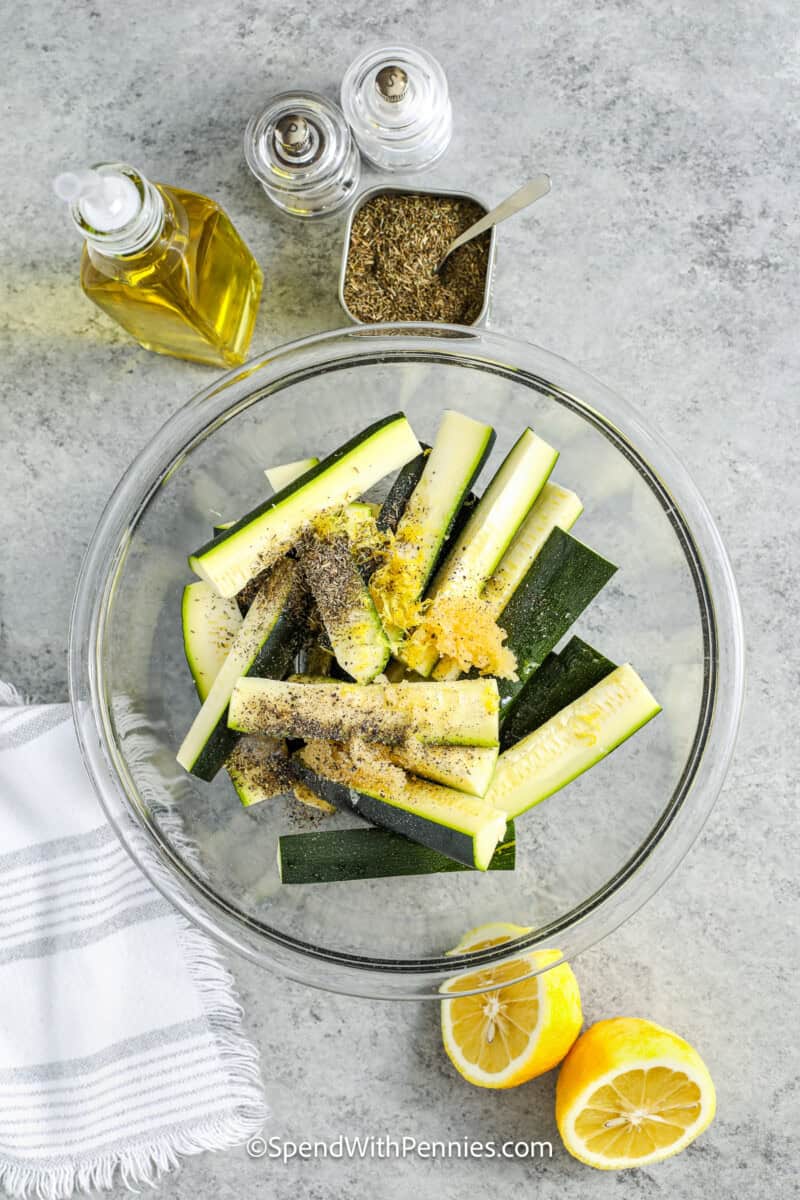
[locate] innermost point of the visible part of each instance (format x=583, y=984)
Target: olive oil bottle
x=165, y=263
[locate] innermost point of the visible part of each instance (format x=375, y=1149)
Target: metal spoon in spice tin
x=528, y=194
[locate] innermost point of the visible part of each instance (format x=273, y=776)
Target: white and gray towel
x=120, y=1035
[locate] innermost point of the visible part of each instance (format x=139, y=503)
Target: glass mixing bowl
x=589, y=856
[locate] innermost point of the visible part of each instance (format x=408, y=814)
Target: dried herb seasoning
x=396, y=242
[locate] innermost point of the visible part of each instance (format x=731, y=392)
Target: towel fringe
x=143, y=1162
x=9, y=695
x=137, y=1166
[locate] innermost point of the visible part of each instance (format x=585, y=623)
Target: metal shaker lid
x=300, y=144
x=397, y=103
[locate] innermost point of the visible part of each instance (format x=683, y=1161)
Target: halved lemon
x=506, y=1036
x=631, y=1093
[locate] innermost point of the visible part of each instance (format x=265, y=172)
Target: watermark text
x=354, y=1146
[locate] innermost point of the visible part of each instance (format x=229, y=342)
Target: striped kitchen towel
x=121, y=1046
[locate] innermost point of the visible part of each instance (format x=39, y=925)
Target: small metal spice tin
x=301, y=151
x=396, y=101
x=446, y=193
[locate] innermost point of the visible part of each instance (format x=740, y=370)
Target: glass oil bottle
x=165, y=263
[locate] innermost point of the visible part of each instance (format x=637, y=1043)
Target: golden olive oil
x=176, y=275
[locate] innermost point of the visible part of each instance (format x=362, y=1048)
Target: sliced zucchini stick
x=486, y=536
x=266, y=643
x=399, y=493
x=459, y=451
x=260, y=537
x=466, y=768
x=258, y=767
x=348, y=613
x=461, y=827
x=210, y=624
x=463, y=713
x=572, y=741
x=560, y=679
x=279, y=477
x=339, y=855
x=564, y=577
x=555, y=507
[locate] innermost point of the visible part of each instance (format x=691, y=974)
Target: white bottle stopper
x=107, y=201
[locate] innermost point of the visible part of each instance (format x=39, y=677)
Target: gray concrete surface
x=666, y=264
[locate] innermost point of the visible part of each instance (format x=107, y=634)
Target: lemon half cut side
x=510, y=1031
x=631, y=1093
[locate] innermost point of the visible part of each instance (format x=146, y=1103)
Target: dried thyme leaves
x=396, y=243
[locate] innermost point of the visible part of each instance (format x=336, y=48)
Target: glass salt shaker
x=301, y=151
x=396, y=101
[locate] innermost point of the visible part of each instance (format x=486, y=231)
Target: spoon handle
x=529, y=192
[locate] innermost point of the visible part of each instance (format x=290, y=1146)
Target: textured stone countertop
x=666, y=265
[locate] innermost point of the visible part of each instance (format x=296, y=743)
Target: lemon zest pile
x=463, y=630
x=394, y=585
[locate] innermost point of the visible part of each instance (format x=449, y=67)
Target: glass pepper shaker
x=396, y=101
x=301, y=151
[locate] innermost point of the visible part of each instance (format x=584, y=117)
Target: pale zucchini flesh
x=466, y=768
x=555, y=506
x=353, y=518
x=210, y=624
x=266, y=642
x=460, y=713
x=260, y=537
x=486, y=535
x=279, y=477
x=459, y=451
x=572, y=741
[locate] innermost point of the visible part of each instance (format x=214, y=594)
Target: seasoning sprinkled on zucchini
x=258, y=767
x=260, y=537
x=461, y=713
x=560, y=679
x=484, y=540
x=424, y=693
x=573, y=740
x=465, y=768
x=461, y=827
x=459, y=451
x=346, y=609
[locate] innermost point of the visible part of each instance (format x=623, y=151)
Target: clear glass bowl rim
x=678, y=825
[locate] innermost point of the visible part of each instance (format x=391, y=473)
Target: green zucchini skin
x=562, y=580
x=451, y=843
x=560, y=679
x=342, y=855
x=457, y=527
x=399, y=493
x=298, y=484
x=274, y=660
